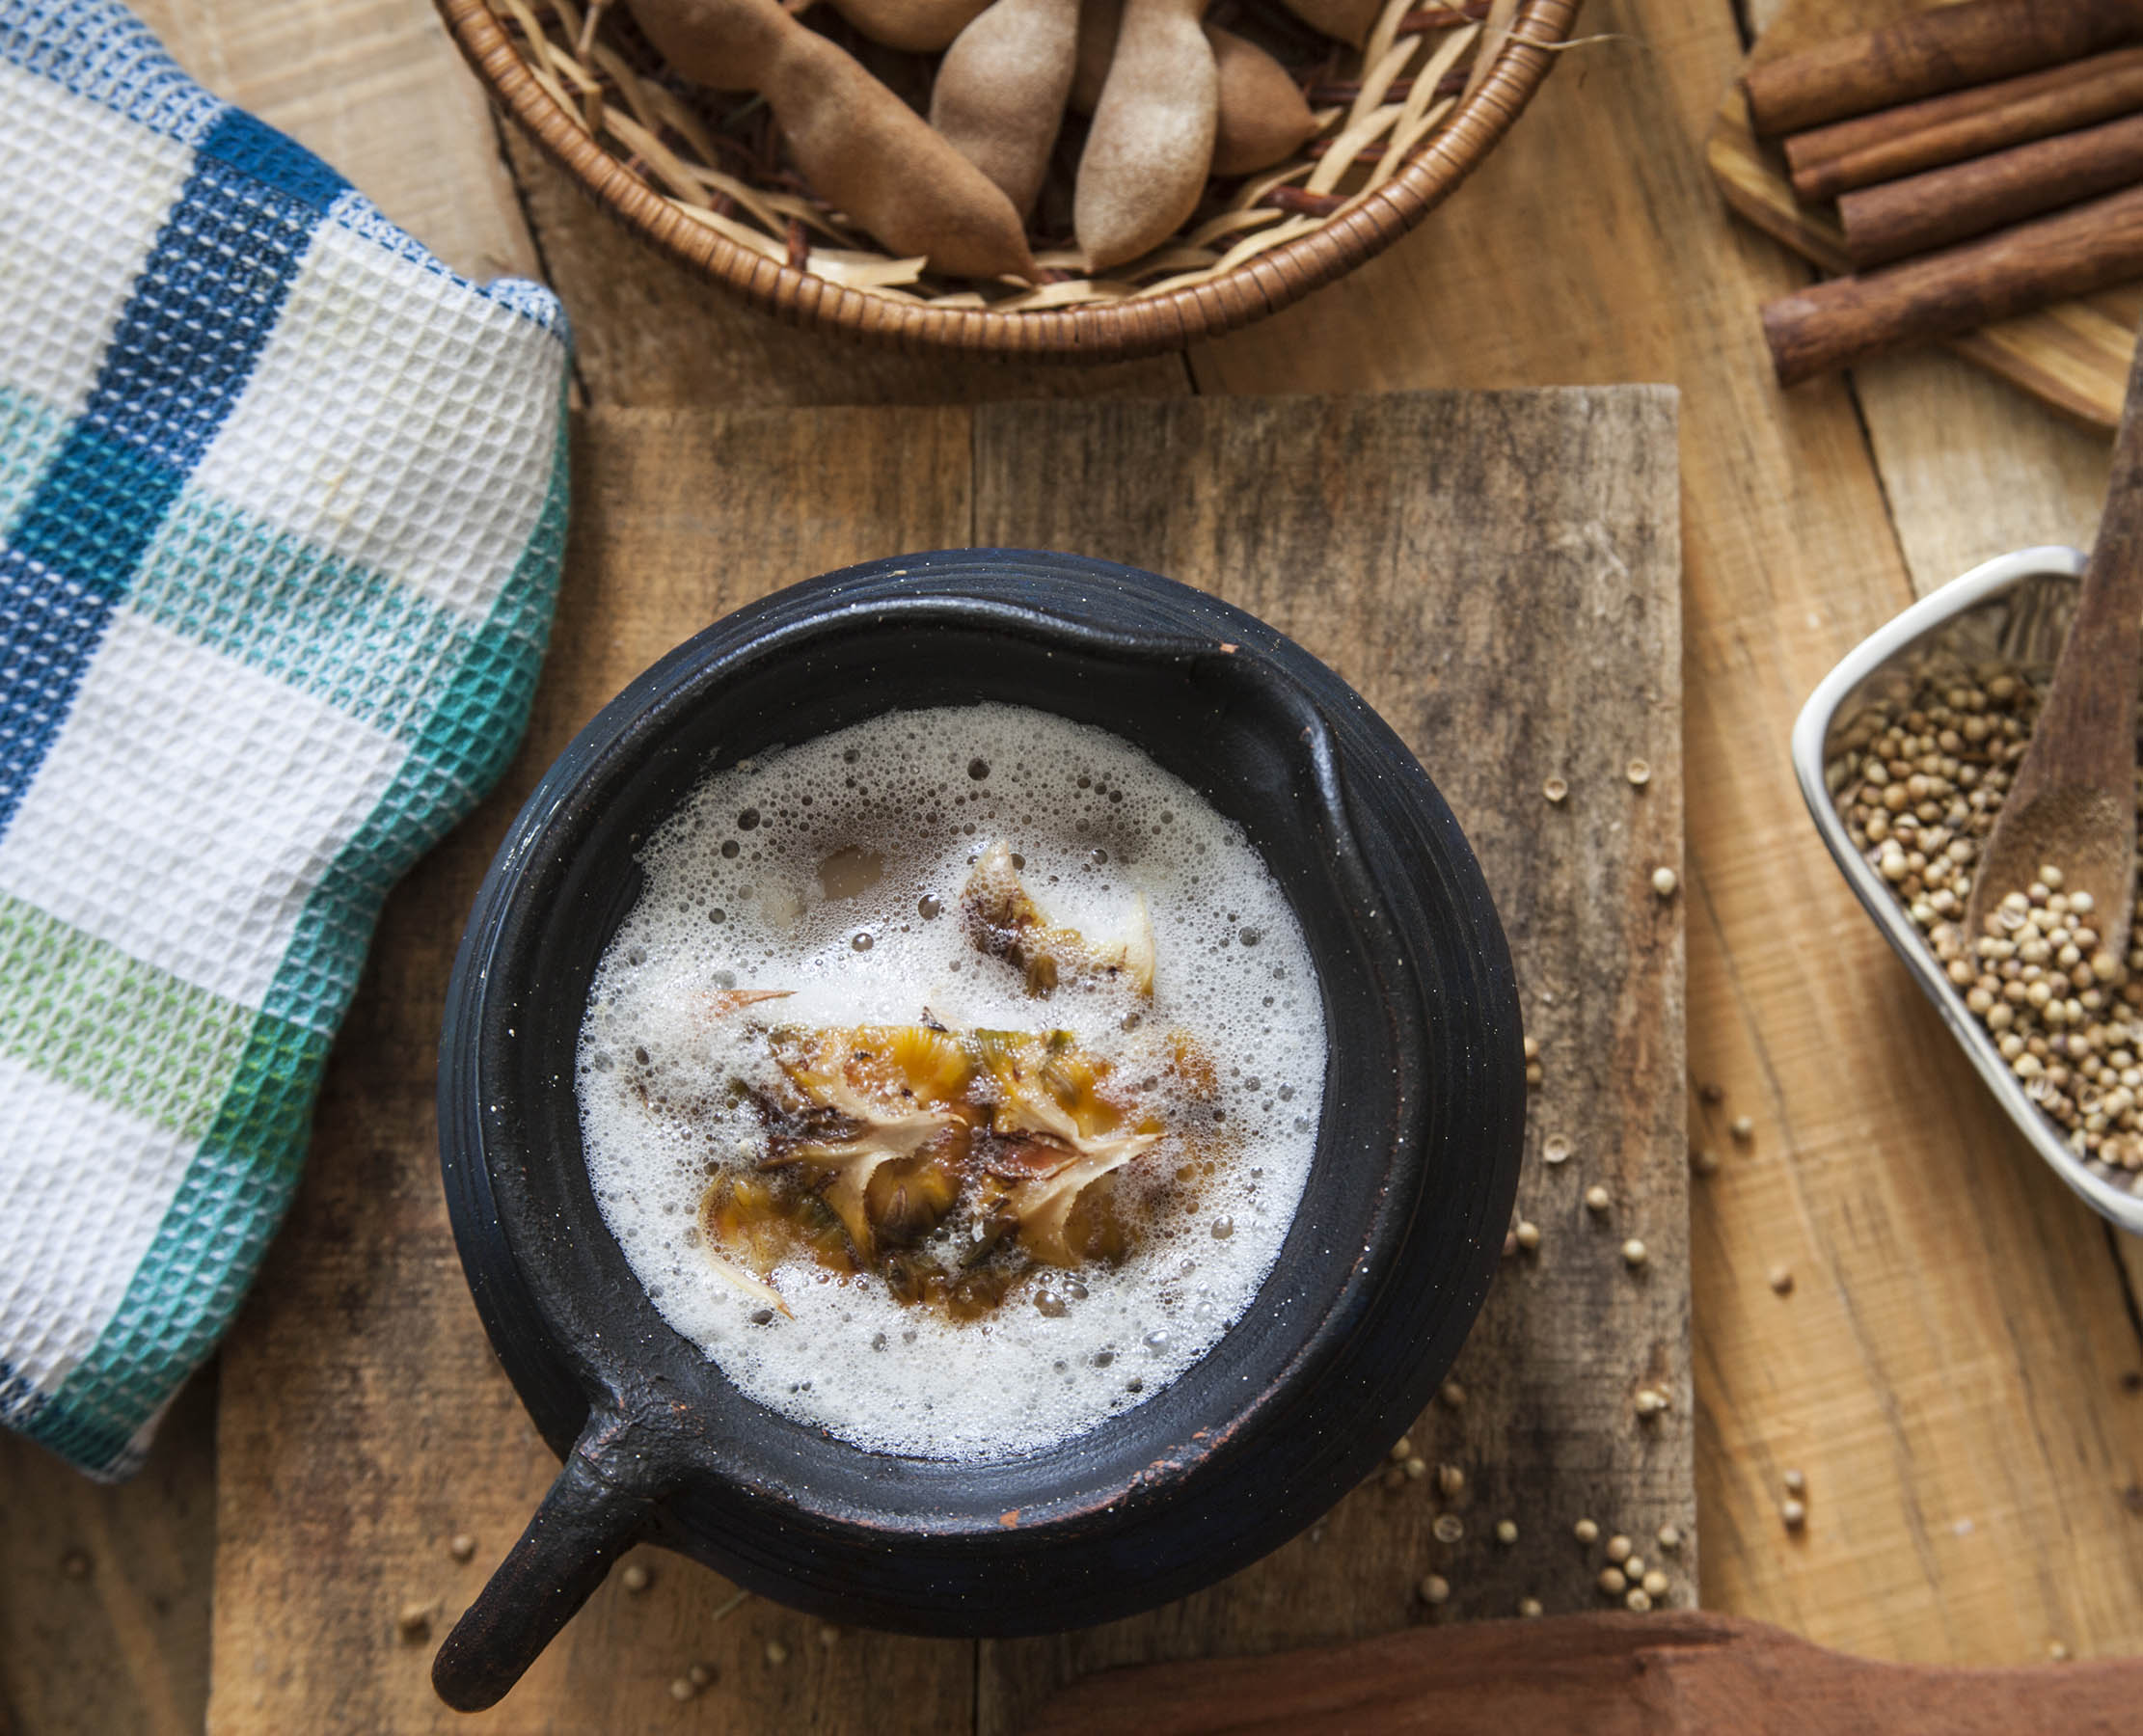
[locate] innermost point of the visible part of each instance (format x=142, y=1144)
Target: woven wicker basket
x=1399, y=125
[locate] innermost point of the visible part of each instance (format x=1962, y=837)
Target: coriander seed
x=1782, y=1280
x=1588, y=1530
x=1403, y=1449
x=463, y=1547
x=1555, y=789
x=1618, y=1549
x=1453, y=1394
x=1555, y=1149
x=635, y=1577
x=1506, y=1532
x=1434, y=1589
x=1795, y=1482
x=1655, y=1584
x=1743, y=1127
x=1449, y=1528
x=1664, y=881
x=1417, y=1468
x=1614, y=1582
x=1633, y=1253
x=1451, y=1480
x=1638, y=1599
x=1529, y=1235
x=1528, y=1607
x=1670, y=1537
x=1793, y=1513
x=1638, y=772
x=1596, y=1197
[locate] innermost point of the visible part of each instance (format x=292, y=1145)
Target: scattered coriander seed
x=1795, y=1482
x=1705, y=1161
x=1449, y=1528
x=1639, y=1599
x=1394, y=1477
x=1655, y=1584
x=1633, y=1569
x=1743, y=1127
x=1507, y=1530
x=1633, y=1253
x=777, y=1654
x=681, y=1690
x=1664, y=881
x=1555, y=1149
x=1532, y=1048
x=1670, y=1537
x=412, y=1621
x=1403, y=1449
x=1451, y=1480
x=1649, y=1403
x=1417, y=1468
x=1596, y=1197
x=463, y=1547
x=635, y=1577
x=1528, y=1607
x=1638, y=772
x=1711, y=1092
x=1793, y=1513
x=1434, y=1589
x=699, y=1675
x=1618, y=1548
x=829, y=1636
x=2056, y=1652
x=1529, y=1235
x=1555, y=789
x=1782, y=1280
x=1614, y=1582
x=1588, y=1530
x=1509, y=1243
x=1453, y=1394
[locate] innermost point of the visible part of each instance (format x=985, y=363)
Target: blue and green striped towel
x=282, y=503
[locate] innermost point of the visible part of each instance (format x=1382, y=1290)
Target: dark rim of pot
x=1382, y=1271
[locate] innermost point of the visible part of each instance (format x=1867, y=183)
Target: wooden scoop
x=2072, y=804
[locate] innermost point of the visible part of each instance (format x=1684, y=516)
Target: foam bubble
x=833, y=870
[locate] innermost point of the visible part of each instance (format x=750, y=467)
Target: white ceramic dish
x=2017, y=607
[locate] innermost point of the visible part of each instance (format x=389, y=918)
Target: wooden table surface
x=1957, y=1367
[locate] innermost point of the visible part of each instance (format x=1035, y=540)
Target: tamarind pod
x=1348, y=20
x=1262, y=118
x=1000, y=91
x=1090, y=69
x=723, y=44
x=1150, y=146
x=920, y=26
x=861, y=149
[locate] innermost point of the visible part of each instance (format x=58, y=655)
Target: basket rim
x=1117, y=331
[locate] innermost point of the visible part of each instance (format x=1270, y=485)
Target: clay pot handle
x=592, y=1514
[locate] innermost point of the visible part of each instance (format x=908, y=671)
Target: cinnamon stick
x=1903, y=140
x=1923, y=212
x=1930, y=52
x=2086, y=248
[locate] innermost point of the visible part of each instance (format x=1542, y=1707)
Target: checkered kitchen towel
x=281, y=508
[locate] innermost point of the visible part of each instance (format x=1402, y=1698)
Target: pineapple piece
x=1004, y=921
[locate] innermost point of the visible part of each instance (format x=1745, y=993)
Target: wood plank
x=2074, y=355
x=365, y=1421
x=1947, y=1369
x=376, y=88
x=1680, y=1674
x=105, y=1590
x=650, y=332
x=1481, y=567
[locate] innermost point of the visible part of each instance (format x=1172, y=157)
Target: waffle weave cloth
x=282, y=503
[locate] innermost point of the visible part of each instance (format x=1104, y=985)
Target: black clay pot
x=1390, y=1255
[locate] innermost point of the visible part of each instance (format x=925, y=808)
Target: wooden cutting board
x=1500, y=575
x=2073, y=355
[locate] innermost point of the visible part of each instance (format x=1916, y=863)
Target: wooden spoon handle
x=1673, y=1673
x=2090, y=713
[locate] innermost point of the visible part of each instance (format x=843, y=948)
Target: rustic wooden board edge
x=1681, y=1673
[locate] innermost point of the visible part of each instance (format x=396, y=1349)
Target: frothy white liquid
x=738, y=896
